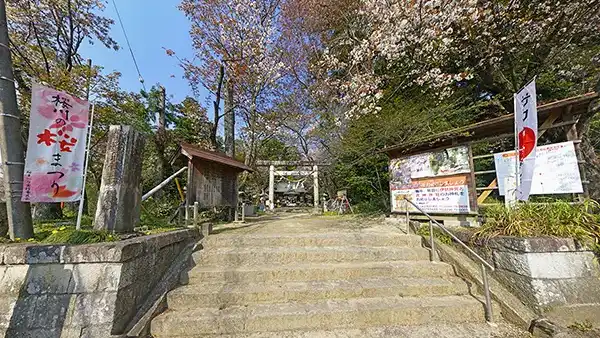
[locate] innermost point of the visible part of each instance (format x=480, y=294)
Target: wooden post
x=473, y=185
x=189, y=192
x=196, y=215
x=120, y=196
x=572, y=135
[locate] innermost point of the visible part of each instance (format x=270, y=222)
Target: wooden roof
x=489, y=128
x=191, y=152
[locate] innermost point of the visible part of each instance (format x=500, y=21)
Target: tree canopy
x=331, y=81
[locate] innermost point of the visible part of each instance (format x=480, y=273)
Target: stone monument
x=120, y=196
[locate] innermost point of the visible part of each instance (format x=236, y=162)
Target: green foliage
x=72, y=236
x=374, y=207
x=52, y=233
x=556, y=219
x=584, y=326
x=276, y=150
x=191, y=124
x=156, y=211
x=437, y=233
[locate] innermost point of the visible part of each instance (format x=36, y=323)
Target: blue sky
x=150, y=26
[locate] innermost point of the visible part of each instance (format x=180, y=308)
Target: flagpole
x=87, y=160
x=515, y=101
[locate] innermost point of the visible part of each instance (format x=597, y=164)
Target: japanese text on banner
x=526, y=123
x=56, y=146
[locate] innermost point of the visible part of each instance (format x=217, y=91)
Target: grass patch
x=584, y=326
x=331, y=213
x=63, y=231
x=437, y=233
x=556, y=219
x=52, y=233
x=72, y=236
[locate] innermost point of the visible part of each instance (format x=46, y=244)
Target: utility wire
x=129, y=46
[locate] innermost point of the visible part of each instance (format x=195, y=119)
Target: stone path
x=302, y=276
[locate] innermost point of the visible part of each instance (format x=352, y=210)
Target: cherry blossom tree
x=441, y=45
x=242, y=40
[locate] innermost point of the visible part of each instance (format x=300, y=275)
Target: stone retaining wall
x=96, y=290
x=547, y=274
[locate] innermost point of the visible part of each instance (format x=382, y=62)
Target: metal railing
x=484, y=264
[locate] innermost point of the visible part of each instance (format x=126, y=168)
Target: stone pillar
x=120, y=196
x=272, y=187
x=316, y=186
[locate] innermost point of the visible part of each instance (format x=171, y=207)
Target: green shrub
x=156, y=211
x=555, y=219
x=437, y=233
x=370, y=208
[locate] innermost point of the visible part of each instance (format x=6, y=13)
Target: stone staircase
x=338, y=284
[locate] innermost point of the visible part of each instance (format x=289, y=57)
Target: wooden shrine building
x=212, y=179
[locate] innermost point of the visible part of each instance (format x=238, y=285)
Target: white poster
x=434, y=195
x=444, y=200
x=56, y=147
x=556, y=170
x=526, y=123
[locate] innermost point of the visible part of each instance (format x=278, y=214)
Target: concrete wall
x=556, y=277
x=97, y=290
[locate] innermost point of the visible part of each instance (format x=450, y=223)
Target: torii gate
x=273, y=172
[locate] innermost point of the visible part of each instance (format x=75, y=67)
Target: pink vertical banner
x=526, y=122
x=54, y=165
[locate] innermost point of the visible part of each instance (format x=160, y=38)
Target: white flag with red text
x=526, y=121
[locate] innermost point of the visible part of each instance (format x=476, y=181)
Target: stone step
x=313, y=240
x=322, y=271
x=464, y=330
x=322, y=315
x=282, y=255
x=219, y=294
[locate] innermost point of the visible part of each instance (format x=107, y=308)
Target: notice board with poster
x=438, y=182
x=556, y=170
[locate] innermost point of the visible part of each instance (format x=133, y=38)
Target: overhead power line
x=129, y=46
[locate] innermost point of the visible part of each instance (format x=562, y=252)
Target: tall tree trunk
x=216, y=107
x=229, y=121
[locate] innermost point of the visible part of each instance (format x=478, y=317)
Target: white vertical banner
x=58, y=129
x=526, y=128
